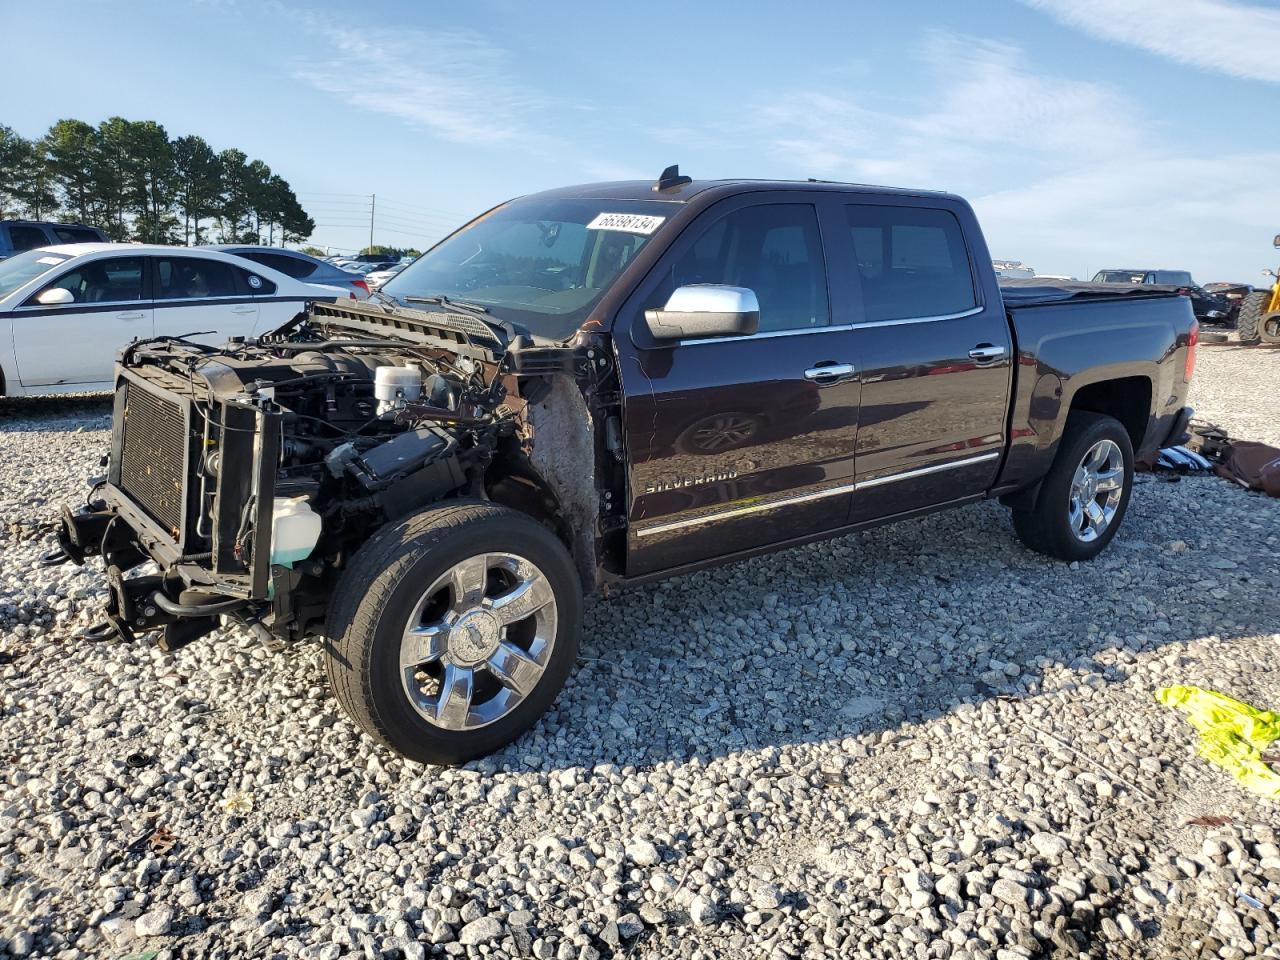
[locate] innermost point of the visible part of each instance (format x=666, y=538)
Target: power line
x=425, y=211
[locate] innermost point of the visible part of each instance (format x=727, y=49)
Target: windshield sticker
x=626, y=223
x=51, y=261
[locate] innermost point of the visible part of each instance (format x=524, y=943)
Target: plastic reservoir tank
x=295, y=528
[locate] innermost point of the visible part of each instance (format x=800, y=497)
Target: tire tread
x=1249, y=319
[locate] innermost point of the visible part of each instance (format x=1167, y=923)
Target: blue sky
x=1087, y=133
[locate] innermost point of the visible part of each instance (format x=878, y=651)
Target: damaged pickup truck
x=600, y=386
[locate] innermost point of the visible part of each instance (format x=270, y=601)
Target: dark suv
x=19, y=235
x=1208, y=307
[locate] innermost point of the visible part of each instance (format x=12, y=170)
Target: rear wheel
x=1085, y=494
x=453, y=631
x=1249, y=320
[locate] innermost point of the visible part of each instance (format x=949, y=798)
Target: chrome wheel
x=478, y=641
x=1096, y=490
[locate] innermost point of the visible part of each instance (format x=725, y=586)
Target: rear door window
x=194, y=278
x=912, y=262
x=117, y=280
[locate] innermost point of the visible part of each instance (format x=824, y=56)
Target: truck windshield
x=541, y=263
x=25, y=267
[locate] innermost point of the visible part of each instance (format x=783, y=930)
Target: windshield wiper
x=449, y=302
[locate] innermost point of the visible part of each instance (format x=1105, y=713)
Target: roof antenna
x=670, y=179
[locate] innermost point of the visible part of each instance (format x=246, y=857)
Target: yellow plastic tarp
x=1232, y=734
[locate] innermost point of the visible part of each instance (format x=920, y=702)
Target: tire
x=1049, y=527
x=1249, y=319
x=409, y=575
x=1269, y=328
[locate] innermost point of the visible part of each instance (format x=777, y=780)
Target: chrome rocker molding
x=816, y=495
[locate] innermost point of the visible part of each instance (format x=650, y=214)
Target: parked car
x=432, y=482
x=1208, y=307
x=66, y=310
x=377, y=258
x=378, y=277
x=300, y=266
x=1234, y=294
x=19, y=235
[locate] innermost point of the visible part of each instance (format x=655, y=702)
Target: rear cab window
x=912, y=262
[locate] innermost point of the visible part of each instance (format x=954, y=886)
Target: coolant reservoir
x=295, y=528
x=392, y=385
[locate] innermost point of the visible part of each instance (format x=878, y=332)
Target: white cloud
x=1211, y=215
x=1237, y=39
x=1068, y=175
x=985, y=113
x=455, y=84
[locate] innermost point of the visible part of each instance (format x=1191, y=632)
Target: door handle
x=986, y=353
x=130, y=316
x=244, y=310
x=829, y=372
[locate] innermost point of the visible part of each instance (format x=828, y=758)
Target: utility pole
x=373, y=202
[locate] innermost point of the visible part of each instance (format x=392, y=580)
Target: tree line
x=130, y=179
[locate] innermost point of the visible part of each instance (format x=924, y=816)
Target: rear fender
x=1067, y=348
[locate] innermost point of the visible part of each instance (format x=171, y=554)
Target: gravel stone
x=916, y=741
x=480, y=930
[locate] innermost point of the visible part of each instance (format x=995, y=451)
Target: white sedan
x=66, y=310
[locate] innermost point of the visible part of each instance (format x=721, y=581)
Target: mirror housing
x=55, y=297
x=1276, y=241
x=702, y=310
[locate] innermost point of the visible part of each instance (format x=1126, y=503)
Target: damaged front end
x=249, y=474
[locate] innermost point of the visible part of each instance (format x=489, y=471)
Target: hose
x=195, y=609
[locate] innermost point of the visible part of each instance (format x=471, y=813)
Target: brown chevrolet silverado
x=600, y=386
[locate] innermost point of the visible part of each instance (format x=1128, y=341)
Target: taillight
x=363, y=285
x=1192, y=340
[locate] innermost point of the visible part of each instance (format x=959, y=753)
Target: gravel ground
x=921, y=741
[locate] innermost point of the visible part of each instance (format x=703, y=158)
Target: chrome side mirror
x=705, y=310
x=1276, y=241
x=55, y=297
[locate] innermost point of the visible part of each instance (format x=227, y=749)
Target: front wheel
x=453, y=630
x=1085, y=494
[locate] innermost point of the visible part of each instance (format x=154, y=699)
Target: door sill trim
x=732, y=512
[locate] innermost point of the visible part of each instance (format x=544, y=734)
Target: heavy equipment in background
x=1259, y=319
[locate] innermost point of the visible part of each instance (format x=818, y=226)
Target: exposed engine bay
x=253, y=471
